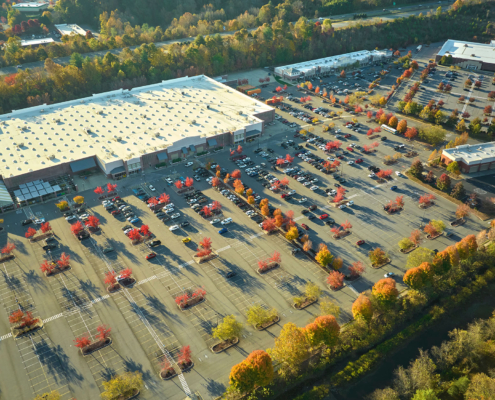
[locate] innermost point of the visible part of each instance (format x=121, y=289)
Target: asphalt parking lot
x=145, y=321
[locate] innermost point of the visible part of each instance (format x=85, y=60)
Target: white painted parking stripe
x=223, y=249
x=255, y=236
x=8, y=335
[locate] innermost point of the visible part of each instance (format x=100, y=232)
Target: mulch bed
x=57, y=270
x=96, y=346
x=268, y=324
x=186, y=367
x=269, y=267
x=409, y=249
x=336, y=289
x=458, y=222
x=423, y=206
x=222, y=346
x=168, y=374
x=380, y=265
x=40, y=237
x=18, y=332
x=209, y=257
x=7, y=257
x=128, y=282
x=191, y=303
x=132, y=396
x=342, y=235
x=429, y=237
x=113, y=288
x=304, y=304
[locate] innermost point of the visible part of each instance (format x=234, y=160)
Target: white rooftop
x=336, y=61
x=67, y=29
x=31, y=4
x=481, y=52
x=35, y=42
x=122, y=124
x=472, y=154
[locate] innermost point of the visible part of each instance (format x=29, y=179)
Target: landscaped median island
x=87, y=345
x=228, y=332
x=23, y=323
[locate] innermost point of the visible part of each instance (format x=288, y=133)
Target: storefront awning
x=212, y=142
x=192, y=148
x=162, y=156
x=82, y=165
x=117, y=170
x=184, y=150
x=254, y=132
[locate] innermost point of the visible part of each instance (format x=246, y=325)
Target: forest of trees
x=460, y=368
x=278, y=43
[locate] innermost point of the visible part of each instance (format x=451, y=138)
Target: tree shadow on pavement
x=157, y=305
x=35, y=281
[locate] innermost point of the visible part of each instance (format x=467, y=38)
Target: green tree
x=440, y=117
x=76, y=60
x=453, y=168
x=327, y=307
x=228, y=329
x=416, y=168
x=312, y=291
x=427, y=394
x=324, y=257
x=122, y=386
x=405, y=244
x=433, y=135
x=419, y=256
x=257, y=315
x=290, y=349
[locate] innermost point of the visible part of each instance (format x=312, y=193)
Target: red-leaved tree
x=216, y=205
x=30, y=232
x=126, y=273
x=82, y=341
x=103, y=332
x=8, y=248
x=239, y=149
x=269, y=224
x=275, y=257
x=205, y=243
x=99, y=190
x=189, y=182
x=206, y=211
x=93, y=222
x=77, y=228
x=340, y=195
x=178, y=184
x=215, y=182
x=289, y=158
x=153, y=201
x=335, y=279
x=346, y=225
x=164, y=198
x=134, y=234
x=145, y=230
x=64, y=261
x=111, y=187
x=184, y=355
x=45, y=227
x=236, y=174
x=357, y=269
x=47, y=267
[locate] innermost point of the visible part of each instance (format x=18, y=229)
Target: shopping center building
x=125, y=131
x=471, y=158
x=332, y=64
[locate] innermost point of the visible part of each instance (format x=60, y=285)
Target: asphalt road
x=389, y=14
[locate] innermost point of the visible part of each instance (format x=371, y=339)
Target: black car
x=270, y=150
x=154, y=243
x=126, y=227
x=49, y=247
x=50, y=239
x=184, y=224
x=383, y=138
x=230, y=274
x=329, y=221
x=81, y=211
x=27, y=222
x=83, y=235
x=311, y=216
x=304, y=211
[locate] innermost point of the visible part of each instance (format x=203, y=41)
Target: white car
x=215, y=221
x=301, y=178
x=151, y=187
x=127, y=231
x=174, y=228
x=241, y=165
x=226, y=221
x=313, y=188
x=39, y=221
x=175, y=216
x=291, y=192
x=398, y=173
x=350, y=162
x=249, y=212
x=303, y=200
x=169, y=206
x=189, y=164
x=342, y=206
x=350, y=203
x=330, y=159
x=70, y=218
x=372, y=175
x=169, y=181
x=105, y=202
x=389, y=275
x=307, y=183
x=84, y=216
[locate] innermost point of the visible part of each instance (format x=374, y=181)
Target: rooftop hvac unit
x=142, y=115
x=51, y=156
x=20, y=144
x=142, y=151
x=156, y=134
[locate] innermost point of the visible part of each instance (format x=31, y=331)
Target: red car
x=305, y=226
x=359, y=161
x=347, y=135
x=284, y=196
x=323, y=216
x=360, y=242
x=350, y=148
x=341, y=157
x=116, y=198
x=150, y=256
x=115, y=212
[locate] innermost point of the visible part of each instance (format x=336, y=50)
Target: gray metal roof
x=5, y=199
x=212, y=142
x=81, y=165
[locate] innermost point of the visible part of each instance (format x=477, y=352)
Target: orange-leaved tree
x=255, y=371
x=335, y=279
x=362, y=308
x=325, y=330
x=385, y=292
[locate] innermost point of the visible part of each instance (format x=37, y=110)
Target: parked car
x=305, y=226
x=222, y=231
x=360, y=242
x=174, y=228
x=150, y=256
x=49, y=247
x=153, y=243
x=30, y=221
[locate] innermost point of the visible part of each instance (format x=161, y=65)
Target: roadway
x=342, y=21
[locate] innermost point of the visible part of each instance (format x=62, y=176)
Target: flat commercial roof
x=35, y=42
x=481, y=52
x=123, y=124
x=67, y=29
x=472, y=154
x=31, y=5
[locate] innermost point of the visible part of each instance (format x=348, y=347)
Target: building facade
x=471, y=158
x=468, y=55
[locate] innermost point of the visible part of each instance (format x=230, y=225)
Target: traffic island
x=341, y=235
x=427, y=205
x=200, y=260
x=226, y=344
x=19, y=331
x=57, y=269
x=267, y=267
x=185, y=366
x=458, y=222
x=40, y=237
x=377, y=266
x=406, y=251
x=128, y=282
x=306, y=302
x=267, y=324
x=185, y=303
x=113, y=288
x=86, y=351
x=167, y=374
x=7, y=257
x=429, y=237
